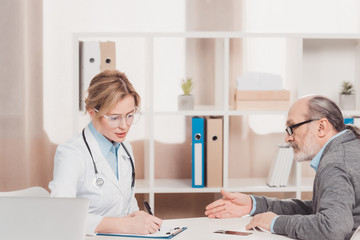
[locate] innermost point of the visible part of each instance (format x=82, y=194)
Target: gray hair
x=323, y=107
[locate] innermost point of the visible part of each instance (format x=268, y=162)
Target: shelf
x=255, y=112
x=349, y=113
x=179, y=186
x=115, y=35
x=196, y=112
x=156, y=62
x=256, y=185
x=235, y=185
x=142, y=186
x=329, y=62
x=212, y=112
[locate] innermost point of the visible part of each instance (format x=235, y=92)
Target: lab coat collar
x=104, y=144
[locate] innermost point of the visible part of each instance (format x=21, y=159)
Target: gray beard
x=302, y=157
x=309, y=150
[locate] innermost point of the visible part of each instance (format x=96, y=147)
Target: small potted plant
x=347, y=96
x=186, y=101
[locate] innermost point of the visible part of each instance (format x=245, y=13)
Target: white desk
x=203, y=228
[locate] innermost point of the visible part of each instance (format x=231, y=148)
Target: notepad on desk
x=164, y=233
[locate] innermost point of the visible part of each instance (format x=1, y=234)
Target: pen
x=148, y=209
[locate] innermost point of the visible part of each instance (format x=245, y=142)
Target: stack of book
x=207, y=152
x=261, y=91
x=281, y=167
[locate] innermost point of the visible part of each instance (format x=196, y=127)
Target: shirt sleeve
x=253, y=209
x=272, y=224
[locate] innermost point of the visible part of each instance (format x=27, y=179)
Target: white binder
x=89, y=66
x=281, y=167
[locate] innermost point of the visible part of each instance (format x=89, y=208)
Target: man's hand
x=231, y=205
x=262, y=220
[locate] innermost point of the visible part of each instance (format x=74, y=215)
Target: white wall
x=319, y=16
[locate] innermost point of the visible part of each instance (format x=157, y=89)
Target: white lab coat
x=74, y=176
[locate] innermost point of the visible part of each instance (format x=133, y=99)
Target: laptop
x=43, y=218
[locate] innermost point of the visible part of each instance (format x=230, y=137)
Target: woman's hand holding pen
x=231, y=205
x=138, y=222
x=143, y=223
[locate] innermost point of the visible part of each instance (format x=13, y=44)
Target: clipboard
x=163, y=234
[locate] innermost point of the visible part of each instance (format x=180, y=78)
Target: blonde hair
x=107, y=88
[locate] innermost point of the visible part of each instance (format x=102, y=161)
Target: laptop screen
x=43, y=218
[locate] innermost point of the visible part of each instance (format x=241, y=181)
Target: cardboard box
x=262, y=100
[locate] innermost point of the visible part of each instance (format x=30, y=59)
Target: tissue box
x=262, y=100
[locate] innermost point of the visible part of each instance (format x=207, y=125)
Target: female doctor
x=98, y=164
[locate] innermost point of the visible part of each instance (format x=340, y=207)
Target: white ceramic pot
x=347, y=102
x=186, y=102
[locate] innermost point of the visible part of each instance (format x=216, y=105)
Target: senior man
x=316, y=132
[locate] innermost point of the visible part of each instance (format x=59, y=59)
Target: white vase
x=347, y=102
x=186, y=102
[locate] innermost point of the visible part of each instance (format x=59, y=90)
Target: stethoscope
x=100, y=181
